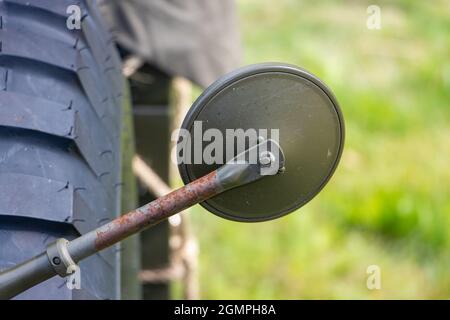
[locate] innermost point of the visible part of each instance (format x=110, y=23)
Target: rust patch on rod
x=157, y=210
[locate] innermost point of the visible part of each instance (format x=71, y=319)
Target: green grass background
x=389, y=201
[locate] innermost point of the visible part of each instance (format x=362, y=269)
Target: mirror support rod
x=62, y=256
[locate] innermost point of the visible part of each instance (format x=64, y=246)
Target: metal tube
x=145, y=216
x=230, y=175
x=25, y=275
x=39, y=268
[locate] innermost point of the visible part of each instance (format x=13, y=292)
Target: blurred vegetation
x=389, y=201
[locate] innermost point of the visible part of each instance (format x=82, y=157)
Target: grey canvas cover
x=197, y=39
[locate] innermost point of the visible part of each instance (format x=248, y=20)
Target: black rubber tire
x=60, y=120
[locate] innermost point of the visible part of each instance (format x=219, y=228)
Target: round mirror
x=270, y=100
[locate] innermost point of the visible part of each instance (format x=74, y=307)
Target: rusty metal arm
x=63, y=254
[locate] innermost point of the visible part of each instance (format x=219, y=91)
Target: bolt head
x=265, y=161
x=266, y=158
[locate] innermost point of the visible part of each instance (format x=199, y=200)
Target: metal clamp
x=60, y=258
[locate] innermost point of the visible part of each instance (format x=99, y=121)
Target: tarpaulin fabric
x=197, y=39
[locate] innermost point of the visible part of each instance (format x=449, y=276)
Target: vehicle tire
x=60, y=119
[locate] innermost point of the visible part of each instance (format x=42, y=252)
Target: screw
x=266, y=158
x=56, y=260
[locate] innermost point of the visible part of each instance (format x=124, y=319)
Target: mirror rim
x=215, y=88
